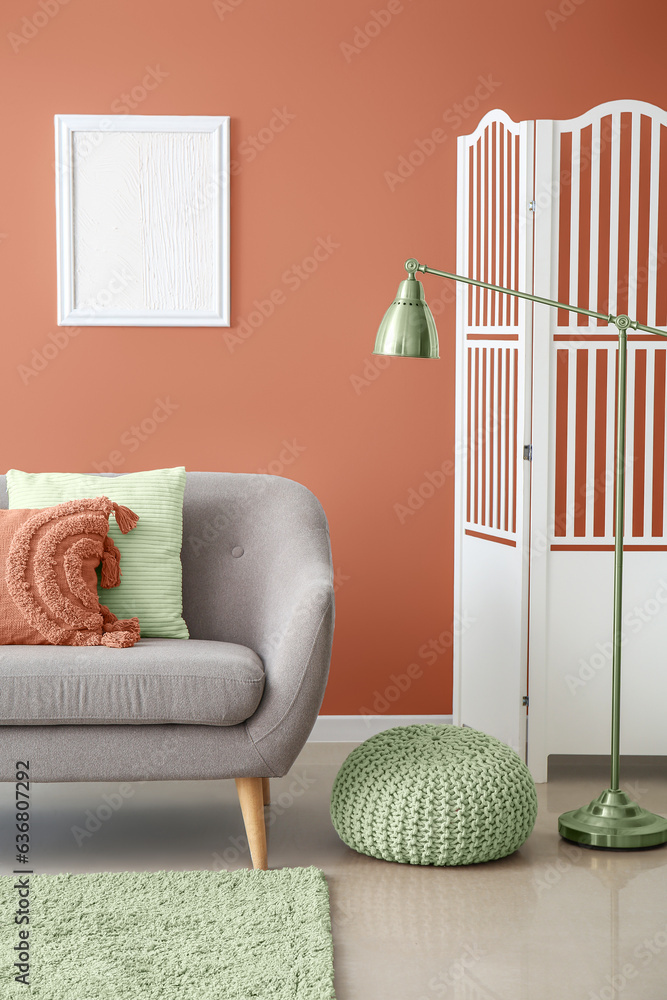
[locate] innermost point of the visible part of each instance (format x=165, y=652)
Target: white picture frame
x=142, y=220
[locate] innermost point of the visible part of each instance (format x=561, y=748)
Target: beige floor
x=552, y=921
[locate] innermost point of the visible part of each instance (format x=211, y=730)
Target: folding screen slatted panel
x=493, y=363
x=585, y=442
x=492, y=433
x=610, y=224
x=600, y=225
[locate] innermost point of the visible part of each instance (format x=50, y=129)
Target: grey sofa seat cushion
x=157, y=681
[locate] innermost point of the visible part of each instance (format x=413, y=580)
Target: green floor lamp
x=408, y=330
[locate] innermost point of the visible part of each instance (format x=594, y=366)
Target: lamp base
x=613, y=820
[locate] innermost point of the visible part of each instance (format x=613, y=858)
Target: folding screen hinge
x=532, y=205
x=524, y=700
x=528, y=453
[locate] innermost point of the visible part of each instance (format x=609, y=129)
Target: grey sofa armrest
x=295, y=647
x=257, y=570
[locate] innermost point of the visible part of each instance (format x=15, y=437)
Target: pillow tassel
x=118, y=633
x=110, y=574
x=126, y=519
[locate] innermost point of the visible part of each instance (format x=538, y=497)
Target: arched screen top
x=611, y=188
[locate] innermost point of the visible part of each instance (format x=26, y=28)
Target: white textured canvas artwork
x=143, y=220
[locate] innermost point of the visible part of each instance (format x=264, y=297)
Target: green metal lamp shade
x=408, y=328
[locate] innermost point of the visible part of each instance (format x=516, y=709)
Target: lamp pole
x=612, y=820
x=617, y=637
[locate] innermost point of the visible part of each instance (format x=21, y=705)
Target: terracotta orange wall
x=350, y=105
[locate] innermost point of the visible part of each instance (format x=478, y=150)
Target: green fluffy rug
x=187, y=935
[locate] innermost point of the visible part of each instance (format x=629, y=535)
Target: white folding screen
x=599, y=228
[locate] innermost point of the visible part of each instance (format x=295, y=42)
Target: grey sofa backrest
x=242, y=535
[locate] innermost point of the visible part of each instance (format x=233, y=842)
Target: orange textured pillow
x=48, y=583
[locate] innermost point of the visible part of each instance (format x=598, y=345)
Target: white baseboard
x=357, y=728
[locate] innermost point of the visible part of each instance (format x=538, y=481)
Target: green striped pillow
x=151, y=581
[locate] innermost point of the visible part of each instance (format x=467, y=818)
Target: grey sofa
x=257, y=574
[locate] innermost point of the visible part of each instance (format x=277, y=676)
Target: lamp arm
x=622, y=322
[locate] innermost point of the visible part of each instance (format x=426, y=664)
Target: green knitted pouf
x=434, y=795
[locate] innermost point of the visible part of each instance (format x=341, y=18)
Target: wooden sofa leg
x=266, y=788
x=251, y=797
